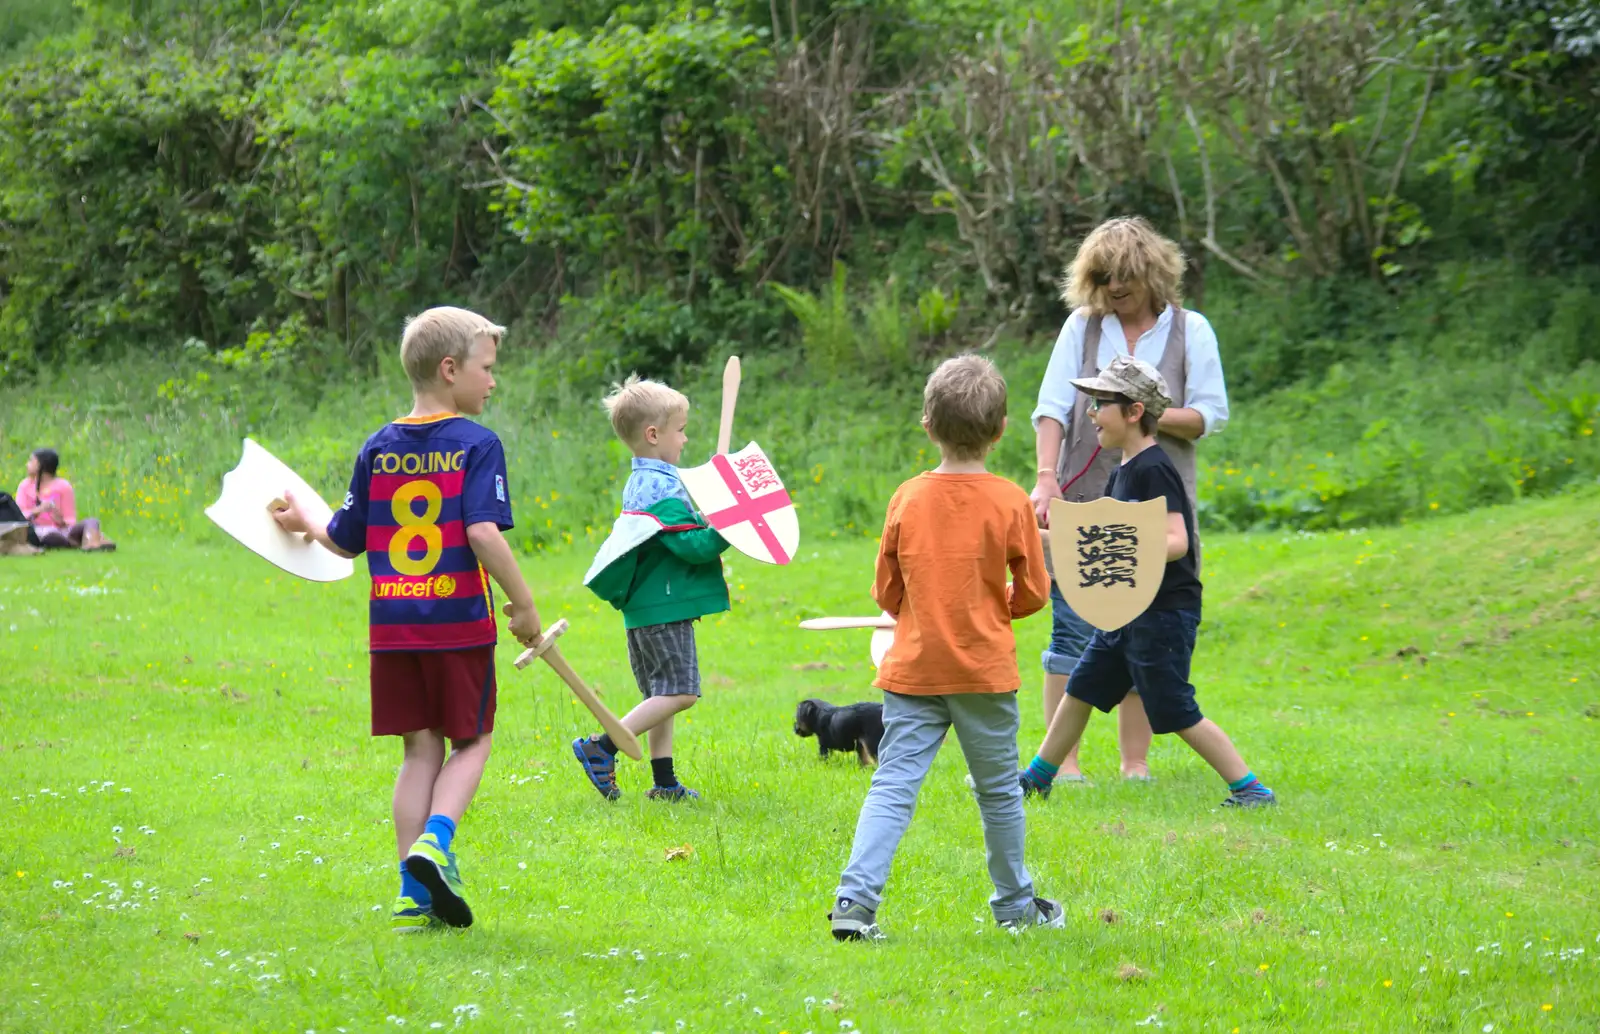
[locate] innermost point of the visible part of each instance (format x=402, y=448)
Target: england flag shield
x=744, y=499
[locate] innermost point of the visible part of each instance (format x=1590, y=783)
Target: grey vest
x=1084, y=468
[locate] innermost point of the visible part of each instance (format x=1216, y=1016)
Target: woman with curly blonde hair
x=1124, y=287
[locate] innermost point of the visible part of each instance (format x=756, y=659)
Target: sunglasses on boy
x=1097, y=403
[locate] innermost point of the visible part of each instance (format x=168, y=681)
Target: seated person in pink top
x=47, y=502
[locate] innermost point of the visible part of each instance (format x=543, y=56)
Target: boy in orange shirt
x=949, y=539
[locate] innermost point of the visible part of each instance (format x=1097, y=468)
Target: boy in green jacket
x=662, y=567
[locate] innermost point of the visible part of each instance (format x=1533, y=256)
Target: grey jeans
x=986, y=725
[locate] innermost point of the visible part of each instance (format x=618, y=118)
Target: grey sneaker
x=671, y=793
x=1029, y=787
x=1040, y=912
x=853, y=921
x=1253, y=796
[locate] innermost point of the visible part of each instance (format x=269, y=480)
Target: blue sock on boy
x=443, y=828
x=411, y=888
x=1041, y=773
x=1245, y=783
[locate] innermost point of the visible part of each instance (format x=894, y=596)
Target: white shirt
x=1204, y=391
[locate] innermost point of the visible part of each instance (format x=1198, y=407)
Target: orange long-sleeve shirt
x=948, y=542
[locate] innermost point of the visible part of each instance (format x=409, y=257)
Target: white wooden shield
x=743, y=498
x=243, y=511
x=882, y=639
x=1109, y=557
x=882, y=631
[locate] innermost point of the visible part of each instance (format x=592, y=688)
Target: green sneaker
x=410, y=917
x=435, y=868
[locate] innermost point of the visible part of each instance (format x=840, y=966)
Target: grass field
x=196, y=825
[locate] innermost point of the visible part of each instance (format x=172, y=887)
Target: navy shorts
x=1151, y=655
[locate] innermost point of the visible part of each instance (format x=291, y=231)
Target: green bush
x=1369, y=443
x=1394, y=440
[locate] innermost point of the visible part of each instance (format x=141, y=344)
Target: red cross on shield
x=744, y=499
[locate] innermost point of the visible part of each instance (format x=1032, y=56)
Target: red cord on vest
x=1082, y=472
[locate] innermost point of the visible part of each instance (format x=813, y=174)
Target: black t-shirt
x=1151, y=475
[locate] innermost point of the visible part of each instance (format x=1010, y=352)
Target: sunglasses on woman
x=1100, y=278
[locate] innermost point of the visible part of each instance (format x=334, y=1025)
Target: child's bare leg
x=661, y=740
x=1055, y=689
x=1066, y=729
x=414, y=786
x=1211, y=743
x=1133, y=736
x=651, y=713
x=458, y=779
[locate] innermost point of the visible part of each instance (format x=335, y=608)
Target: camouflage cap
x=1134, y=378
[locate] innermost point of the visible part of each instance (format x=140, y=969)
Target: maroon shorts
x=449, y=690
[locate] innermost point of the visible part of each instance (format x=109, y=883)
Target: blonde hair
x=437, y=334
x=636, y=404
x=1131, y=249
x=964, y=406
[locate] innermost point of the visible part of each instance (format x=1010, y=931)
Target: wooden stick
x=831, y=624
x=730, y=397
x=546, y=648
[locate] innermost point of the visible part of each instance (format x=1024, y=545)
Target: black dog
x=853, y=727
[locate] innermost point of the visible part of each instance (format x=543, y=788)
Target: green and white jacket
x=662, y=561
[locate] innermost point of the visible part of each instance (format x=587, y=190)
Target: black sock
x=606, y=744
x=662, y=767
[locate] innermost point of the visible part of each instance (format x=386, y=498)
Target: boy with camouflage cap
x=1153, y=651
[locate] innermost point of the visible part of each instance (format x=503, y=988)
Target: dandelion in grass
x=1388, y=983
x=1546, y=1007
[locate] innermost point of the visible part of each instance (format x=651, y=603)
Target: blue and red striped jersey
x=417, y=486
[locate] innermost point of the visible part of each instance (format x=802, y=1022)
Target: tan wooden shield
x=1109, y=557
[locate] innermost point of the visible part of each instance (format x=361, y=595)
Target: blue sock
x=1042, y=772
x=443, y=828
x=1249, y=777
x=410, y=888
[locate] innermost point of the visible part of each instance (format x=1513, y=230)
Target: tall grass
x=1396, y=425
